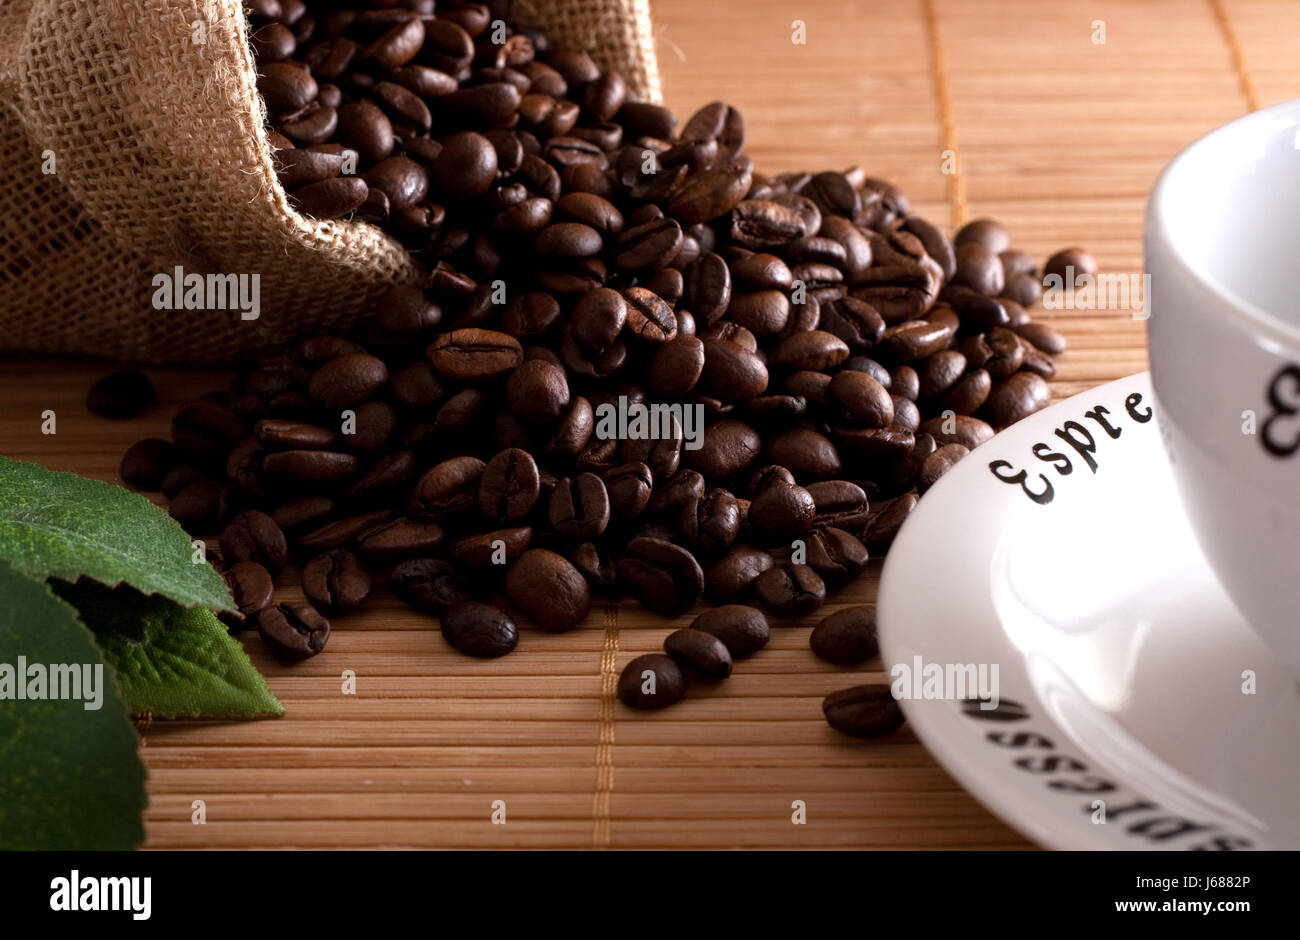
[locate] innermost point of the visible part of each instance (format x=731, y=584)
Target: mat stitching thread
x=600, y=829
x=939, y=73
x=1237, y=53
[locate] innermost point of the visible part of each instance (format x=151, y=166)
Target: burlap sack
x=160, y=160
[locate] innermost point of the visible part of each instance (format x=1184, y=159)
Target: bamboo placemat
x=1056, y=134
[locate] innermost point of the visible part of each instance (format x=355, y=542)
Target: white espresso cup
x=1222, y=244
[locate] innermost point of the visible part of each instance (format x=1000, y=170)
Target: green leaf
x=171, y=662
x=59, y=525
x=70, y=778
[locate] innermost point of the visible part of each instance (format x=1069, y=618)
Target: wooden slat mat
x=1057, y=135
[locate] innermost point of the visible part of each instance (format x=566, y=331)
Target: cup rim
x=1284, y=115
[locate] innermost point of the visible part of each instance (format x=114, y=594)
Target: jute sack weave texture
x=158, y=148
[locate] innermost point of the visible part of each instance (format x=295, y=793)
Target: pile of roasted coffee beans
x=585, y=252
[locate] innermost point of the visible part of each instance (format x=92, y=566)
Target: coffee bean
x=814, y=350
x=347, y=381
x=743, y=630
x=509, y=486
x=1016, y=397
x=664, y=577
x=1042, y=336
x=478, y=629
x=863, y=398
x=251, y=586
x=983, y=232
x=579, y=507
x=428, y=585
x=474, y=355
x=885, y=524
x=699, y=652
x=793, y=590
x=281, y=434
x=712, y=521
x=399, y=538
x=254, y=536
x=729, y=446
x=864, y=711
x=335, y=581
x=285, y=87
x=783, y=511
x=447, y=489
x=206, y=431
x=121, y=395
x=651, y=681
x=808, y=454
x=547, y=588
x=1069, y=261
x=293, y=632
x=846, y=637
x=310, y=467
x=148, y=462
x=958, y=429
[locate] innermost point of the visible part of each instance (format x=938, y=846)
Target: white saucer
x=1119, y=656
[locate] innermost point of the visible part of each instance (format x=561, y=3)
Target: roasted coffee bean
x=652, y=244
x=813, y=350
x=336, y=582
x=1042, y=337
x=886, y=523
x=939, y=463
x=863, y=398
x=792, y=590
x=348, y=380
x=651, y=681
x=537, y=391
x=743, y=630
x=783, y=511
x=969, y=394
x=147, y=463
x=936, y=244
x=985, y=233
x=958, y=429
x=629, y=487
x=285, y=87
x=195, y=506
x=699, y=652
x=280, y=434
x=330, y=199
x=846, y=637
x=428, y=585
x=547, y=588
x=664, y=577
x=205, y=431
x=447, y=489
x=712, y=521
x=729, y=446
x=808, y=454
x=251, y=586
x=906, y=414
x=730, y=371
x=340, y=532
x=293, y=632
x=579, y=507
x=121, y=395
x=835, y=555
x=649, y=318
x=1016, y=397
x=940, y=372
x=478, y=629
x=474, y=355
x=1066, y=266
x=509, y=486
x=399, y=538
x=500, y=546
x=839, y=503
x=732, y=576
x=864, y=711
x=310, y=467
x=915, y=340
x=254, y=536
